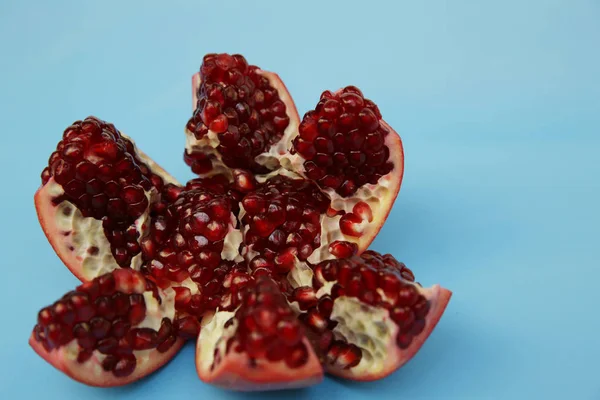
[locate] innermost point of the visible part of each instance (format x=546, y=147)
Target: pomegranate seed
x=348, y=357
x=137, y=311
x=343, y=249
x=120, y=327
x=183, y=296
x=305, y=296
x=124, y=366
x=142, y=338
x=316, y=321
x=297, y=357
x=407, y=296
x=351, y=225
x=188, y=327
x=99, y=327
x=325, y=306
x=421, y=308
x=166, y=344
x=289, y=331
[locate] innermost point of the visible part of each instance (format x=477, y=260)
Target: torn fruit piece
x=95, y=198
x=110, y=331
x=365, y=315
x=259, y=346
x=243, y=117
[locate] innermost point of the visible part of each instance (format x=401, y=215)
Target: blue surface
x=499, y=109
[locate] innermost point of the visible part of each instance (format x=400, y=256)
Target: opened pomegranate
x=262, y=258
x=110, y=331
x=95, y=198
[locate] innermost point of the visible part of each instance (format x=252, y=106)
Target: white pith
x=209, y=142
x=231, y=243
x=300, y=275
x=370, y=328
x=374, y=332
x=214, y=334
x=82, y=233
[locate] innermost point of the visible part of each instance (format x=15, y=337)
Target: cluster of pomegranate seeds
x=102, y=315
x=189, y=235
x=283, y=217
x=240, y=105
x=101, y=175
x=218, y=288
x=343, y=142
x=378, y=280
x=242, y=182
x=199, y=162
x=267, y=326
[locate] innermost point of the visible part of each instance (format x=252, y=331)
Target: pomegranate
x=366, y=316
x=355, y=157
x=243, y=117
x=96, y=196
x=262, y=259
x=110, y=331
x=259, y=346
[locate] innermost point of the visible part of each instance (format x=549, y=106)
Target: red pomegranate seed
x=183, y=296
x=343, y=249
x=124, y=366
x=99, y=327
x=350, y=224
x=142, y=338
x=188, y=327
x=297, y=357
x=137, y=311
x=305, y=296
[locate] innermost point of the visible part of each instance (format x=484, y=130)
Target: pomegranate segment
x=366, y=316
x=95, y=196
x=242, y=117
x=260, y=346
x=356, y=158
x=110, y=331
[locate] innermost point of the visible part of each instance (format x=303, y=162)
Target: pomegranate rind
x=396, y=357
x=235, y=373
x=47, y=213
x=91, y=372
x=270, y=158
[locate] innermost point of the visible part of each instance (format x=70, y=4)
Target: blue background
x=498, y=104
